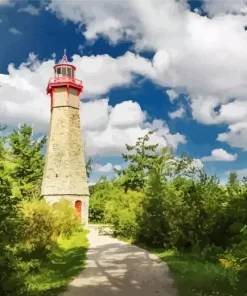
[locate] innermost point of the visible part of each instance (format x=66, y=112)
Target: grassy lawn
x=66, y=262
x=193, y=276
x=197, y=277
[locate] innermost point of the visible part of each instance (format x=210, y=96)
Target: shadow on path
x=116, y=268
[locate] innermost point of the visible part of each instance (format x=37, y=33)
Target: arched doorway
x=78, y=206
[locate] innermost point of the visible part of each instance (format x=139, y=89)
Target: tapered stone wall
x=65, y=170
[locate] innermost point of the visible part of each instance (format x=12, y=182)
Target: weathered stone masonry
x=65, y=171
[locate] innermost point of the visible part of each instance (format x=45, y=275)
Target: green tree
x=233, y=185
x=153, y=226
x=139, y=159
x=28, y=160
x=11, y=229
x=102, y=192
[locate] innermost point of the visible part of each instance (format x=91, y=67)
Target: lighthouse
x=65, y=170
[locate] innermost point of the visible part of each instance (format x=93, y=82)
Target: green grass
x=194, y=276
x=65, y=263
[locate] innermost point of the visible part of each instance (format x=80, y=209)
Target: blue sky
x=45, y=28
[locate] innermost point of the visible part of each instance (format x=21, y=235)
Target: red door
x=78, y=206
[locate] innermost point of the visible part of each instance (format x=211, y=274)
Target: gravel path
x=119, y=269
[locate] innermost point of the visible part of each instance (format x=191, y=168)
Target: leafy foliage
x=66, y=218
x=28, y=160
x=30, y=229
x=11, y=227
x=161, y=200
x=139, y=162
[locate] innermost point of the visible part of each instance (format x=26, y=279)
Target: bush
x=41, y=233
x=102, y=192
x=45, y=223
x=66, y=218
x=122, y=210
x=11, y=229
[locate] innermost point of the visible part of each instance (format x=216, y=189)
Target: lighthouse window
x=69, y=72
x=64, y=72
x=58, y=70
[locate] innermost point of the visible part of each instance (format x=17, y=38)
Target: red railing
x=65, y=79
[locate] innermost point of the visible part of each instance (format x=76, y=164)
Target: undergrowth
x=64, y=263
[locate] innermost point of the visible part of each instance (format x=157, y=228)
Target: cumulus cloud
x=214, y=7
x=106, y=128
x=101, y=73
x=23, y=89
x=204, y=57
x=29, y=9
x=177, y=113
x=110, y=138
x=172, y=94
x=14, y=31
x=197, y=164
x=236, y=135
x=220, y=155
x=135, y=115
x=107, y=168
x=5, y=2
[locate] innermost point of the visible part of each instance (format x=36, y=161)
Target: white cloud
x=23, y=90
x=214, y=7
x=5, y=2
x=95, y=115
x=135, y=115
x=14, y=31
x=177, y=114
x=197, y=164
x=107, y=168
x=117, y=167
x=106, y=129
x=101, y=73
x=201, y=56
x=91, y=183
x=172, y=94
x=229, y=112
x=236, y=135
x=220, y=155
x=29, y=9
x=110, y=139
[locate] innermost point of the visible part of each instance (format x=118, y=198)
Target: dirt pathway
x=117, y=268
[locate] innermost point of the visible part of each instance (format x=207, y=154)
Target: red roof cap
x=64, y=58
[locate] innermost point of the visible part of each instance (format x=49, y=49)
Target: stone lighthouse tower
x=65, y=171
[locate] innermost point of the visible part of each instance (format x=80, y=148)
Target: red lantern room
x=64, y=76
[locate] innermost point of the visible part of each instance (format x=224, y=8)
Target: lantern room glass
x=64, y=72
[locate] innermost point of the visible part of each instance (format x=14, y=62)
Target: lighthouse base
x=79, y=202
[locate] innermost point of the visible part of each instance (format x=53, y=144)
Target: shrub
x=122, y=210
x=66, y=218
x=11, y=228
x=102, y=192
x=40, y=234
x=45, y=224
